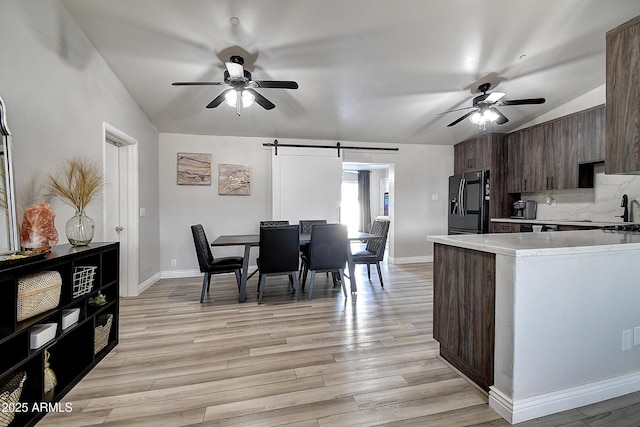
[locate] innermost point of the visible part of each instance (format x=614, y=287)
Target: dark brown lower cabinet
x=464, y=310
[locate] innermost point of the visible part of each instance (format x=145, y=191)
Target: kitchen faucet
x=625, y=205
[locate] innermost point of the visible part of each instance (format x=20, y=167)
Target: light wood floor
x=361, y=361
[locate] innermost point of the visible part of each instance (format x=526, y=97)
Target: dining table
x=252, y=240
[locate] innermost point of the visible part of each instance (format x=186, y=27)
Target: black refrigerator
x=469, y=198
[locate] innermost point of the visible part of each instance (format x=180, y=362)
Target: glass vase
x=80, y=229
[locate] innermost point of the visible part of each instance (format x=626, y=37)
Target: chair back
x=377, y=246
x=328, y=247
x=307, y=224
x=203, y=250
x=275, y=223
x=279, y=249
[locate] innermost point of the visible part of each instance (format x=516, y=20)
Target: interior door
x=116, y=226
x=306, y=184
x=121, y=213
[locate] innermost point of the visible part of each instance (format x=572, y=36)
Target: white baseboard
x=563, y=400
x=179, y=274
x=410, y=260
x=148, y=283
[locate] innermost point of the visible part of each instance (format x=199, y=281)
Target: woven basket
x=10, y=391
x=83, y=280
x=102, y=330
x=38, y=293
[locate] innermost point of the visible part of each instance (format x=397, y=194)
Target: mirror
x=9, y=234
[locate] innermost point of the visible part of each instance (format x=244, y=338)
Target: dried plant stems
x=76, y=182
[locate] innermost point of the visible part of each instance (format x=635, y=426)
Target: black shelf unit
x=72, y=350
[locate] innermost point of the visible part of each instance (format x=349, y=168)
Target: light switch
x=434, y=196
x=143, y=212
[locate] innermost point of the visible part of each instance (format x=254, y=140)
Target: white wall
x=58, y=91
x=419, y=171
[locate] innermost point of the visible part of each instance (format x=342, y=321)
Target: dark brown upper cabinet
x=558, y=154
x=622, y=154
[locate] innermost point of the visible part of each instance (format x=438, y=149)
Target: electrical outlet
x=636, y=335
x=173, y=263
x=627, y=339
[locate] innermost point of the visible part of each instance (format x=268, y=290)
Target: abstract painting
x=194, y=169
x=234, y=179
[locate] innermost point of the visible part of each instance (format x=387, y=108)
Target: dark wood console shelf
x=72, y=350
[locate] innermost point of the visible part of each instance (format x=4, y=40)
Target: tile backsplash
x=601, y=203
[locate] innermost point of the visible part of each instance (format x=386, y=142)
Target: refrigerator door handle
x=463, y=185
x=459, y=199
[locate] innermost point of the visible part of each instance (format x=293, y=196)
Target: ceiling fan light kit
x=241, y=93
x=481, y=118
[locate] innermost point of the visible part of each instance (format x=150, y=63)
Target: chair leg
x=369, y=271
x=238, y=278
x=304, y=277
x=380, y=274
x=206, y=281
x=344, y=287
x=263, y=280
x=313, y=280
x=296, y=285
x=334, y=278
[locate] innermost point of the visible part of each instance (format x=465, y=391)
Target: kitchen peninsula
x=542, y=321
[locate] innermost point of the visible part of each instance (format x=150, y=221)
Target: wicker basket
x=102, y=330
x=38, y=293
x=10, y=391
x=83, y=280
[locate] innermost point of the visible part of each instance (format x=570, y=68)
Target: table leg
x=245, y=273
x=352, y=270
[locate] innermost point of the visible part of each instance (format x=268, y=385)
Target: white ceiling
x=368, y=70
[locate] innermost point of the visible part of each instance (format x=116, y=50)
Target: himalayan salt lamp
x=38, y=228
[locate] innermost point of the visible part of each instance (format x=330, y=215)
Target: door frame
x=128, y=146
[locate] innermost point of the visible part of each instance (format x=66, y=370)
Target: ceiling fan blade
x=493, y=97
x=218, y=99
x=236, y=70
x=524, y=101
x=261, y=100
x=452, y=111
x=197, y=83
x=461, y=118
x=502, y=119
x=276, y=84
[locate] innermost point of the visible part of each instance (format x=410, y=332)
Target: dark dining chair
x=373, y=253
x=327, y=253
x=210, y=265
x=305, y=228
x=279, y=255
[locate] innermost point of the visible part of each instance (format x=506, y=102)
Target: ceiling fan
x=484, y=110
x=241, y=93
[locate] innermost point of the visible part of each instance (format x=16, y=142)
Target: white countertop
x=550, y=243
x=561, y=222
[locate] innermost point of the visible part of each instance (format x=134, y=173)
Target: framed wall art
x=194, y=169
x=234, y=180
